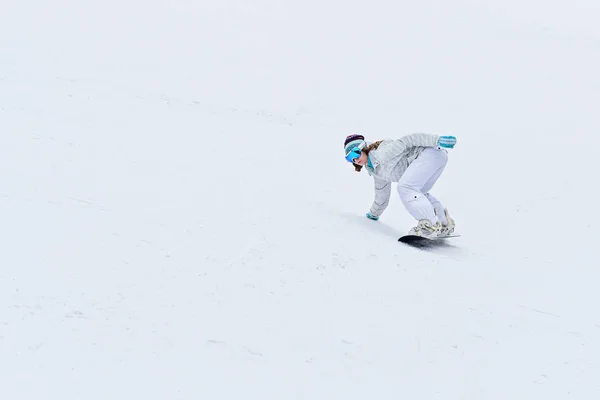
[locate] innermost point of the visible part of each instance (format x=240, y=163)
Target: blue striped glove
x=447, y=142
x=372, y=217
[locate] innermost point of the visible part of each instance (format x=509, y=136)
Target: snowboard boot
x=426, y=229
x=447, y=230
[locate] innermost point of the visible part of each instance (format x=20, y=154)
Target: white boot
x=426, y=229
x=448, y=229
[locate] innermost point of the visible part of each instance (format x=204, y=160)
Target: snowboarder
x=415, y=162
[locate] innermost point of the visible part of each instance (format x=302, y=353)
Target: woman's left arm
x=391, y=148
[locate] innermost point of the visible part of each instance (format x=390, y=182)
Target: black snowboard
x=420, y=241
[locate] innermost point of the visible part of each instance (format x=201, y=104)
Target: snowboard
x=420, y=241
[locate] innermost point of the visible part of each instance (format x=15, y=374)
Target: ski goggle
x=354, y=153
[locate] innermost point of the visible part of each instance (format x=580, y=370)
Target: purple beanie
x=353, y=141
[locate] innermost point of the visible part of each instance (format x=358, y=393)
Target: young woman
x=415, y=162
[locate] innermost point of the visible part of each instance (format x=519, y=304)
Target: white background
x=177, y=220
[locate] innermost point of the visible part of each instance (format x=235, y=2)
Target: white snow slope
x=178, y=220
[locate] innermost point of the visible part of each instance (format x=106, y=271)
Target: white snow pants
x=417, y=181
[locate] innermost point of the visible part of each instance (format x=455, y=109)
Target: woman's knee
x=408, y=193
x=443, y=156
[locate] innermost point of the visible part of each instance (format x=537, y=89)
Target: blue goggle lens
x=353, y=154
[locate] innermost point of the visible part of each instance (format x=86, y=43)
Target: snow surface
x=178, y=222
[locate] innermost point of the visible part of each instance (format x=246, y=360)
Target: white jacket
x=389, y=162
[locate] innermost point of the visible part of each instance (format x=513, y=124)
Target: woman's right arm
x=382, y=197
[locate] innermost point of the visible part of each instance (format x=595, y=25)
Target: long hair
x=372, y=146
